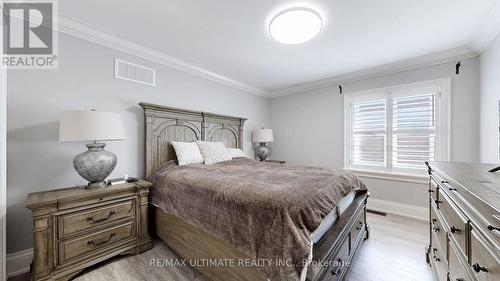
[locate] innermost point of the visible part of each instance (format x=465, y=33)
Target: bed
x=320, y=229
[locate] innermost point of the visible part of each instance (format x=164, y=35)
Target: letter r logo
x=28, y=28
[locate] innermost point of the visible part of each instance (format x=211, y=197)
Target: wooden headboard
x=166, y=124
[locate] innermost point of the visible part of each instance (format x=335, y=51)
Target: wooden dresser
x=464, y=212
x=74, y=228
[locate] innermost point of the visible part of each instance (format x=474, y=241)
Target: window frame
x=442, y=131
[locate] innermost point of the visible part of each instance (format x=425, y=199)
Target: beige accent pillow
x=237, y=153
x=213, y=152
x=187, y=153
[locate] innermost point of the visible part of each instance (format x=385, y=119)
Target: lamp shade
x=91, y=126
x=262, y=135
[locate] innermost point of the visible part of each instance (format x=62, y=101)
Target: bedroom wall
x=84, y=80
x=490, y=95
x=309, y=127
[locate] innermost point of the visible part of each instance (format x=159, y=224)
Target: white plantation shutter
x=369, y=133
x=413, y=131
x=396, y=130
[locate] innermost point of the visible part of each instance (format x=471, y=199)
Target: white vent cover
x=134, y=72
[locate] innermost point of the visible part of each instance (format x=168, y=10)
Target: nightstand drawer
x=69, y=249
x=83, y=220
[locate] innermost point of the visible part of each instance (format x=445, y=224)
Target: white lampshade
x=262, y=135
x=91, y=126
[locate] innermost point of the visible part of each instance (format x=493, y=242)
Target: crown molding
x=104, y=38
x=486, y=33
x=392, y=68
x=488, y=30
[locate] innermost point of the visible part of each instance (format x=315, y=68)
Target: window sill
x=390, y=176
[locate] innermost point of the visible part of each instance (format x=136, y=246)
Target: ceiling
x=229, y=38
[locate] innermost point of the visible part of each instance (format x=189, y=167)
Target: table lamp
x=95, y=164
x=262, y=136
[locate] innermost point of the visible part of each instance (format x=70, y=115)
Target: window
x=395, y=130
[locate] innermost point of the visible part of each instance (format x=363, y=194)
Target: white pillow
x=213, y=152
x=187, y=153
x=237, y=153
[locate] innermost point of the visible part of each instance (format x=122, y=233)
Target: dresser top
x=474, y=178
x=70, y=193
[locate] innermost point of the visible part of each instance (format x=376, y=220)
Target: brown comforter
x=267, y=210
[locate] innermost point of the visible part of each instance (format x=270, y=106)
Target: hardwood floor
x=395, y=251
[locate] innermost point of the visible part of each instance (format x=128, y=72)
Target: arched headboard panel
x=167, y=124
x=221, y=133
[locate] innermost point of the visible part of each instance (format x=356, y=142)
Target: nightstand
x=74, y=228
x=276, y=161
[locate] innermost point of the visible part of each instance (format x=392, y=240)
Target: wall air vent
x=134, y=72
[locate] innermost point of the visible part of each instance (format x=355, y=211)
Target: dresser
x=464, y=222
x=74, y=228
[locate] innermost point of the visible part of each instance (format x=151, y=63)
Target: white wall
x=490, y=95
x=84, y=80
x=309, y=127
x=3, y=168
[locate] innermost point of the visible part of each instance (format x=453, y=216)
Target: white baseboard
x=401, y=209
x=19, y=262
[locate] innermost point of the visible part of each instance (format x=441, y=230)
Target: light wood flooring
x=395, y=251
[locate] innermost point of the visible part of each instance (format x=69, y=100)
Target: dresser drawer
x=438, y=258
x=457, y=224
x=484, y=260
x=75, y=222
x=437, y=228
x=458, y=270
x=433, y=187
x=71, y=248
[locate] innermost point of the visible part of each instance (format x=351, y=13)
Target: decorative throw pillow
x=187, y=153
x=237, y=153
x=213, y=152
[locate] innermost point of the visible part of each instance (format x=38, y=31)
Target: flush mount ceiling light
x=295, y=26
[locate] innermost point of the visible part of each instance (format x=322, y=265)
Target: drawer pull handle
x=434, y=257
x=453, y=229
x=337, y=270
x=491, y=228
x=452, y=189
x=478, y=268
x=91, y=219
x=91, y=242
x=360, y=225
x=435, y=229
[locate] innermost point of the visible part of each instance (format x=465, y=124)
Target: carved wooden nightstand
x=74, y=228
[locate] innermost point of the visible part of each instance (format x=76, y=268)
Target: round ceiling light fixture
x=296, y=25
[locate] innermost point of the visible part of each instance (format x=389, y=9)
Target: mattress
x=330, y=219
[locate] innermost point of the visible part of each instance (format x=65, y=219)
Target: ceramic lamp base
x=262, y=151
x=95, y=164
